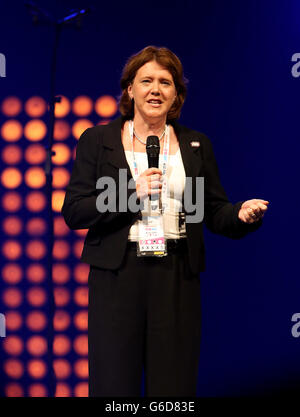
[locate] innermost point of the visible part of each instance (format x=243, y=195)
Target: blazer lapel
x=191, y=155
x=113, y=143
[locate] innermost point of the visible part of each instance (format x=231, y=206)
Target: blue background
x=241, y=93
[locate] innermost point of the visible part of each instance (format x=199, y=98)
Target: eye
x=145, y=81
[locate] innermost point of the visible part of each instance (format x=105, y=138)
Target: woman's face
x=153, y=91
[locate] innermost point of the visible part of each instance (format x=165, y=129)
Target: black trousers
x=146, y=315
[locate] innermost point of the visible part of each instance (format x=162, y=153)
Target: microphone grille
x=152, y=142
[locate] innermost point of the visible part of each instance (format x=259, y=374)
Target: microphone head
x=152, y=149
x=152, y=145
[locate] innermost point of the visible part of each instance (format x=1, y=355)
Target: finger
x=257, y=216
x=256, y=210
x=260, y=211
x=262, y=206
x=151, y=171
x=250, y=212
x=155, y=184
x=252, y=215
x=153, y=192
x=249, y=219
x=155, y=177
x=256, y=200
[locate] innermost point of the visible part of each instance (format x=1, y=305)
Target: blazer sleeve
x=79, y=209
x=220, y=215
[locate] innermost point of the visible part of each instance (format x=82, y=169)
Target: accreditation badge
x=151, y=237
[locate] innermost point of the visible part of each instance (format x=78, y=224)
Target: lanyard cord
x=165, y=156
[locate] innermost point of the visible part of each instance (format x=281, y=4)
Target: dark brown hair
x=166, y=59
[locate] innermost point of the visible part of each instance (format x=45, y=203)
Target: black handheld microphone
x=153, y=149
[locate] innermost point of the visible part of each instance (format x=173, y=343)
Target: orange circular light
x=62, y=390
x=11, y=154
x=37, y=390
x=35, y=177
x=81, y=389
x=36, y=249
x=37, y=345
x=12, y=225
x=35, y=154
x=77, y=248
x=36, y=296
x=81, y=273
x=81, y=296
x=12, y=273
x=81, y=368
x=36, y=321
x=58, y=197
x=35, y=106
x=81, y=320
x=36, y=226
x=81, y=232
x=12, y=249
x=13, y=345
x=12, y=297
x=60, y=227
x=13, y=320
x=62, y=130
x=61, y=345
x=14, y=390
x=80, y=126
x=62, y=154
x=11, y=106
x=35, y=201
x=106, y=106
x=82, y=106
x=61, y=273
x=61, y=320
x=61, y=177
x=62, y=108
x=62, y=368
x=13, y=368
x=35, y=130
x=11, y=177
x=36, y=273
x=11, y=201
x=81, y=344
x=61, y=296
x=11, y=130
x=61, y=249
x=37, y=368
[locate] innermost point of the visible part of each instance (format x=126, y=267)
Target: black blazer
x=100, y=153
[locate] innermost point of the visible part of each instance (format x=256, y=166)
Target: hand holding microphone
x=149, y=182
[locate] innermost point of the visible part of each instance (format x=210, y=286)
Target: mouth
x=154, y=102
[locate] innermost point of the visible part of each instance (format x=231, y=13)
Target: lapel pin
x=195, y=144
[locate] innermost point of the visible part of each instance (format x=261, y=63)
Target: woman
x=144, y=305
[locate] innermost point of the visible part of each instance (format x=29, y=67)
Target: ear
x=129, y=91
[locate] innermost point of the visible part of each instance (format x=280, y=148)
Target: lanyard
x=165, y=156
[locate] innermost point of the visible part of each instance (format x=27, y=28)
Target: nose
x=155, y=88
